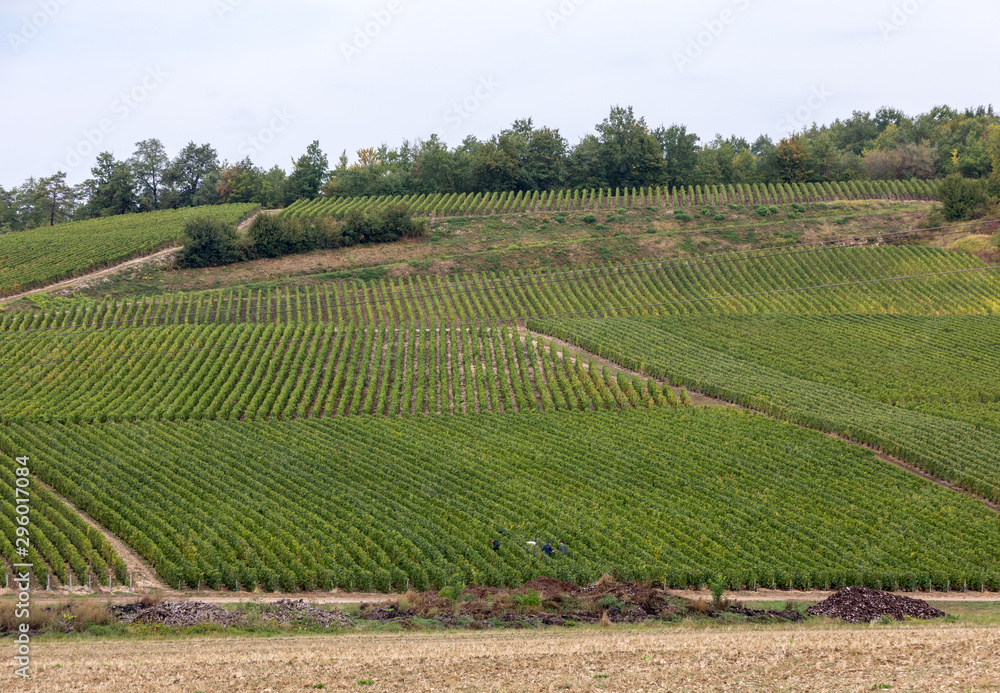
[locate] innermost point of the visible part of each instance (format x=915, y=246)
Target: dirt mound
x=288, y=611
x=549, y=587
x=183, y=614
x=863, y=605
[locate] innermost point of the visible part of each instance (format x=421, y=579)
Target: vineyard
x=316, y=370
x=395, y=502
x=377, y=433
x=810, y=280
x=960, y=452
x=62, y=545
x=945, y=364
x=480, y=204
x=46, y=255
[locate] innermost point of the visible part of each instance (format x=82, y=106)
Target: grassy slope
x=533, y=242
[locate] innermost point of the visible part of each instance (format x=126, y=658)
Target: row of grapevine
x=289, y=372
x=43, y=256
x=555, y=201
x=61, y=547
x=389, y=503
x=933, y=360
x=960, y=452
x=755, y=282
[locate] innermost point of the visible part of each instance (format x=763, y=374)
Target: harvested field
x=792, y=659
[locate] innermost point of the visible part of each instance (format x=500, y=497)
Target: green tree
x=112, y=188
x=792, y=161
x=585, y=166
x=148, y=164
x=240, y=182
x=680, y=154
x=187, y=173
x=311, y=171
x=630, y=155
x=961, y=198
x=59, y=199
x=433, y=167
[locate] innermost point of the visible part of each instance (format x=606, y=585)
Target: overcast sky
x=265, y=78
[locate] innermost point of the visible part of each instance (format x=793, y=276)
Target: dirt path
x=244, y=225
x=143, y=575
x=93, y=275
x=575, y=352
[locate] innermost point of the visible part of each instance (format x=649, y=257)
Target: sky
x=265, y=78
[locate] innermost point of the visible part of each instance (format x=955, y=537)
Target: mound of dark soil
x=863, y=605
x=549, y=587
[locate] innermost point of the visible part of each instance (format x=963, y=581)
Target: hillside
x=419, y=409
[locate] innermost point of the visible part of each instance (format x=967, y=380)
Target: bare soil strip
x=836, y=658
x=143, y=575
x=574, y=352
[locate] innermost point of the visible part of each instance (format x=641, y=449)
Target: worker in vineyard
x=547, y=549
x=496, y=545
x=563, y=549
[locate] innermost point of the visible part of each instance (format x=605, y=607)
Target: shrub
x=762, y=210
x=390, y=223
x=590, y=219
x=209, y=243
x=355, y=226
x=718, y=588
x=961, y=198
x=719, y=217
x=682, y=216
x=273, y=236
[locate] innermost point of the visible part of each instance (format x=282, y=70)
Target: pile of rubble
x=183, y=614
x=187, y=614
x=863, y=605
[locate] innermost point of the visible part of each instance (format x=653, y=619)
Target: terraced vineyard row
x=289, y=372
x=386, y=503
x=960, y=452
x=60, y=545
x=765, y=281
x=479, y=204
x=905, y=360
x=43, y=256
